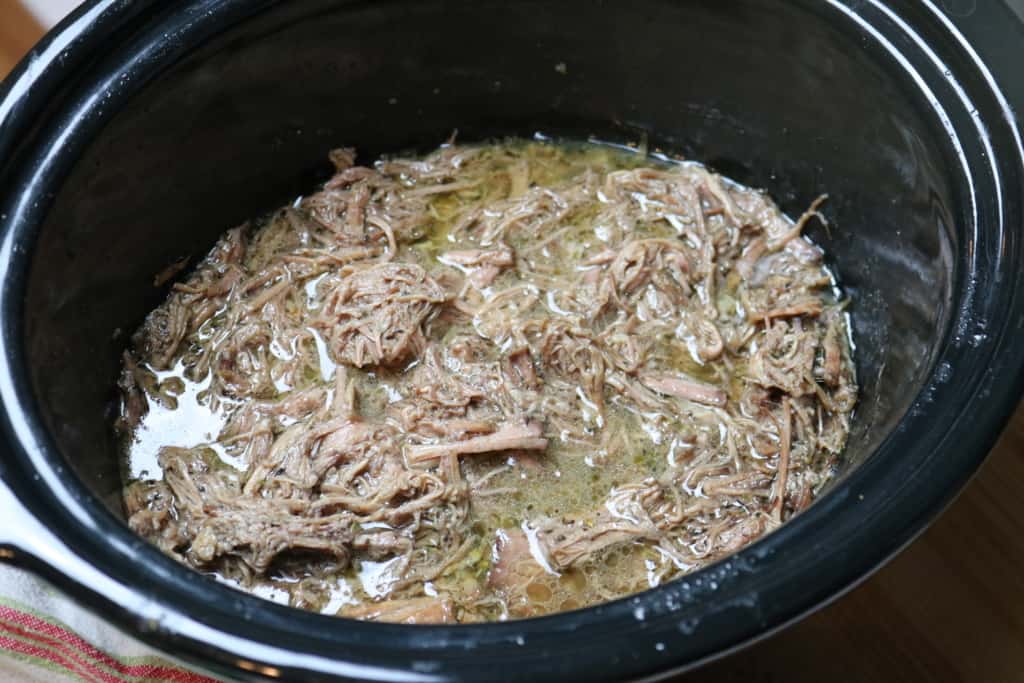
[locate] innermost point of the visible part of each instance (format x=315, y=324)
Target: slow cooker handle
x=26, y=540
x=20, y=532
x=28, y=543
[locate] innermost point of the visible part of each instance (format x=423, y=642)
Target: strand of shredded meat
x=496, y=381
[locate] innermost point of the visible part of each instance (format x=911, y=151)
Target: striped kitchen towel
x=37, y=647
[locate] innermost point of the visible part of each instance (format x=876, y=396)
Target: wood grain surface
x=950, y=608
x=18, y=32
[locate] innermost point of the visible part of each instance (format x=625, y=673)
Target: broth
x=494, y=382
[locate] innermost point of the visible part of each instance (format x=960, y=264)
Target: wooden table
x=950, y=608
x=18, y=32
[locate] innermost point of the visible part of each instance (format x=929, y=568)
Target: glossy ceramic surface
x=137, y=132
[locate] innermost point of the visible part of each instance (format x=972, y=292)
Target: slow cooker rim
x=72, y=501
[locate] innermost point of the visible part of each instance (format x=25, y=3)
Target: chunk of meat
x=685, y=388
x=832, y=361
x=602, y=258
x=516, y=576
x=512, y=564
x=295, y=406
x=707, y=338
x=343, y=158
x=425, y=610
x=348, y=176
x=502, y=256
x=223, y=522
x=659, y=261
x=458, y=428
x=341, y=444
x=240, y=363
x=739, y=534
x=571, y=543
x=781, y=240
x=748, y=259
x=525, y=436
x=149, y=506
x=381, y=544
x=134, y=404
x=161, y=335
x=233, y=247
x=443, y=188
x=785, y=359
x=343, y=404
x=375, y=314
x=782, y=478
x=483, y=266
x=808, y=305
x=520, y=365
x=223, y=286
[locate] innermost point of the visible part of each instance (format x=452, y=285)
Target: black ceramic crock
x=137, y=131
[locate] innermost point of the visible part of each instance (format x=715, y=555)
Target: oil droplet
x=688, y=626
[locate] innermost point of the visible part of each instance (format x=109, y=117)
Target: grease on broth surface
x=494, y=382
